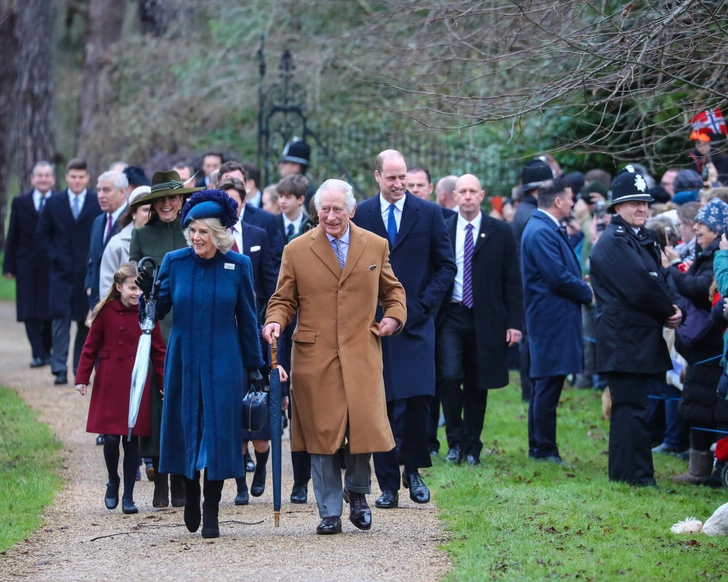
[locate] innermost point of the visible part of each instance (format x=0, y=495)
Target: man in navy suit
x=64, y=232
x=26, y=262
x=111, y=190
x=422, y=260
x=554, y=293
x=256, y=216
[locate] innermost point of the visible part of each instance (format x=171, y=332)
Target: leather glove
x=255, y=378
x=145, y=282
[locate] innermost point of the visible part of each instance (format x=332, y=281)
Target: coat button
x=121, y=329
x=120, y=358
x=121, y=343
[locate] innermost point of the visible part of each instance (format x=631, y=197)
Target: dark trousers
x=40, y=337
x=433, y=423
x=545, y=394
x=414, y=446
x=457, y=364
x=301, y=462
x=630, y=452
x=526, y=383
x=61, y=341
x=663, y=411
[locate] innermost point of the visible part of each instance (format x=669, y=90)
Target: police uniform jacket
x=635, y=296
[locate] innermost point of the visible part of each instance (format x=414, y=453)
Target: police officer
x=635, y=298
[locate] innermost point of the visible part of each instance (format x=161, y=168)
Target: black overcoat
x=25, y=259
x=497, y=295
x=66, y=244
x=423, y=261
x=635, y=296
x=97, y=245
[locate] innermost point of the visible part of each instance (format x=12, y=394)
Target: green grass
x=7, y=287
x=519, y=519
x=29, y=469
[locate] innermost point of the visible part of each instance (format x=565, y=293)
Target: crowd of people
x=393, y=316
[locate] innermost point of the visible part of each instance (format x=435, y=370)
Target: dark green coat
x=156, y=240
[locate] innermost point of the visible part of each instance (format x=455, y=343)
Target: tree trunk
x=35, y=86
x=8, y=78
x=103, y=29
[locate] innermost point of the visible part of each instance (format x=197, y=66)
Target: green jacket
x=156, y=240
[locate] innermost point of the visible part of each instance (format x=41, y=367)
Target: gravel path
x=82, y=540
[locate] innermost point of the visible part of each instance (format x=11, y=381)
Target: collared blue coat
x=553, y=292
x=214, y=336
x=423, y=261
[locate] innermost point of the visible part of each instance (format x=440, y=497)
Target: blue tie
x=392, y=225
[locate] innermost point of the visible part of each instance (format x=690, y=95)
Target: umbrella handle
x=155, y=273
x=274, y=355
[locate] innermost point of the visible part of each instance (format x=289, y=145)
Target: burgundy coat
x=113, y=339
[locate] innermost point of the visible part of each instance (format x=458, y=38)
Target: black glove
x=255, y=379
x=145, y=282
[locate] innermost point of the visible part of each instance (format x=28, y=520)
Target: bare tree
x=35, y=85
x=626, y=77
x=103, y=29
x=8, y=78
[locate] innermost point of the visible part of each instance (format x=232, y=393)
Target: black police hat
x=629, y=186
x=533, y=173
x=297, y=151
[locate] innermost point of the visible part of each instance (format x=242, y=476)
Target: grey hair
x=119, y=179
x=43, y=164
x=341, y=186
x=221, y=237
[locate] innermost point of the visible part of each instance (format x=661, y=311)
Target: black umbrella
x=274, y=411
x=147, y=321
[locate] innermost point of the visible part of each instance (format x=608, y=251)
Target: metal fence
x=355, y=150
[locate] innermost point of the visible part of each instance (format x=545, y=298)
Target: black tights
x=131, y=461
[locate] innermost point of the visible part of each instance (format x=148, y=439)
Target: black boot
x=242, y=497
x=177, y=490
x=210, y=508
x=161, y=486
x=192, y=503
x=257, y=488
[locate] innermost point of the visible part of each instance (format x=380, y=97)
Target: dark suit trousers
x=525, y=366
x=457, y=364
x=630, y=452
x=545, y=394
x=414, y=446
x=61, y=341
x=40, y=337
x=433, y=423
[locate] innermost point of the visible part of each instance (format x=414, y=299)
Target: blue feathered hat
x=210, y=204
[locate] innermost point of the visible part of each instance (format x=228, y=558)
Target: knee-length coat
x=214, y=336
x=112, y=341
x=336, y=363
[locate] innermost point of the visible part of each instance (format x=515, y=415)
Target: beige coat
x=336, y=363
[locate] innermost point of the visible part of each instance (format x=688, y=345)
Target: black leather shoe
x=454, y=455
x=389, y=499
x=100, y=440
x=127, y=506
x=257, y=487
x=359, y=513
x=111, y=497
x=419, y=493
x=473, y=461
x=299, y=494
x=329, y=526
x=242, y=497
x=61, y=379
x=38, y=363
x=249, y=464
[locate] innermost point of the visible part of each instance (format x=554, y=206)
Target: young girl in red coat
x=112, y=341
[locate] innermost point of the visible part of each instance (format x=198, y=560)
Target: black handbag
x=255, y=409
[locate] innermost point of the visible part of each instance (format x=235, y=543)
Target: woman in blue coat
x=214, y=337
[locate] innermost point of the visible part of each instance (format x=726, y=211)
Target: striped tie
x=339, y=252
x=468, y=267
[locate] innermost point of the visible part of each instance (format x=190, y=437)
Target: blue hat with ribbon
x=714, y=215
x=210, y=204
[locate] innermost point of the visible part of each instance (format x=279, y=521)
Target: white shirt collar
x=296, y=223
x=384, y=205
x=344, y=238
x=115, y=215
x=551, y=216
x=81, y=197
x=462, y=223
